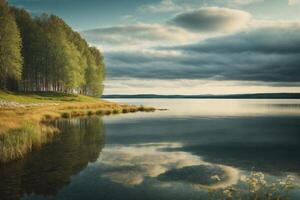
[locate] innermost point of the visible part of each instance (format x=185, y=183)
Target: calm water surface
x=162, y=155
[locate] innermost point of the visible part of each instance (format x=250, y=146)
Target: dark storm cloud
x=268, y=55
x=265, y=41
x=212, y=19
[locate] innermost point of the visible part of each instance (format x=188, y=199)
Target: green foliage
x=116, y=111
x=56, y=58
x=45, y=97
x=90, y=113
x=66, y=115
x=10, y=49
x=94, y=74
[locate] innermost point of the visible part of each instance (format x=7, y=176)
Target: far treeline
x=43, y=54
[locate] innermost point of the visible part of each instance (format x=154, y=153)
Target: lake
x=196, y=146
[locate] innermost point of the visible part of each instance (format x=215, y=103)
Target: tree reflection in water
x=48, y=169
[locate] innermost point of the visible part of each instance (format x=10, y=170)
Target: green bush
x=66, y=115
x=108, y=112
x=99, y=112
x=89, y=113
x=115, y=111
x=125, y=110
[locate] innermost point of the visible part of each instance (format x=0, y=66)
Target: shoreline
x=26, y=124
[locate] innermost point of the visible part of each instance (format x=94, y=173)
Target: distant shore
x=230, y=96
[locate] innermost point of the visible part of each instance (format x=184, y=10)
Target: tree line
x=42, y=54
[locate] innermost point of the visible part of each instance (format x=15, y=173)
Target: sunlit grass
x=44, y=97
x=22, y=127
x=17, y=142
x=66, y=106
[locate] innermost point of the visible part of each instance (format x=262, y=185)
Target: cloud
x=212, y=45
x=209, y=22
x=255, y=24
x=294, y=2
x=131, y=165
x=139, y=35
x=265, y=40
x=245, y=2
x=168, y=6
x=212, y=19
x=128, y=19
x=163, y=6
x=130, y=85
x=261, y=55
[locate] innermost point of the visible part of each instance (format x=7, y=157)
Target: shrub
x=77, y=113
x=141, y=108
x=66, y=115
x=89, y=113
x=99, y=112
x=125, y=110
x=108, y=112
x=115, y=111
x=133, y=110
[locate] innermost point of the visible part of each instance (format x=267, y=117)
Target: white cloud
x=139, y=35
x=294, y=2
x=186, y=86
x=245, y=2
x=253, y=24
x=212, y=19
x=187, y=27
x=138, y=162
x=128, y=19
x=163, y=6
x=236, y=53
x=209, y=22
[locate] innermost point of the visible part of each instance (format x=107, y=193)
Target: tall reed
x=17, y=142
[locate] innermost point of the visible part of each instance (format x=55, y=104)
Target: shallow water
x=162, y=155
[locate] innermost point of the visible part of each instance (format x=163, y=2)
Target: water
x=170, y=154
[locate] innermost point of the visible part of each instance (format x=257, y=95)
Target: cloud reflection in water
x=131, y=165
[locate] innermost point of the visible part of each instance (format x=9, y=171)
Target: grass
x=17, y=142
x=41, y=108
x=45, y=97
x=52, y=106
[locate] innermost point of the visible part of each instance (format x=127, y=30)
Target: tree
x=10, y=49
x=56, y=58
x=94, y=74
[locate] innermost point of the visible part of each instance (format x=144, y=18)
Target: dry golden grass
x=51, y=106
x=14, y=118
x=17, y=142
x=25, y=125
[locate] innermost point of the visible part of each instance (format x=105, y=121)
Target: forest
x=44, y=54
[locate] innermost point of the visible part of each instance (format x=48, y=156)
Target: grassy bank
x=25, y=118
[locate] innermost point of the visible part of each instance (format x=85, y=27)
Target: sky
x=188, y=46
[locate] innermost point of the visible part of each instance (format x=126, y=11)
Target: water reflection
x=132, y=165
x=218, y=107
x=272, y=159
x=270, y=144
x=166, y=155
x=47, y=170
